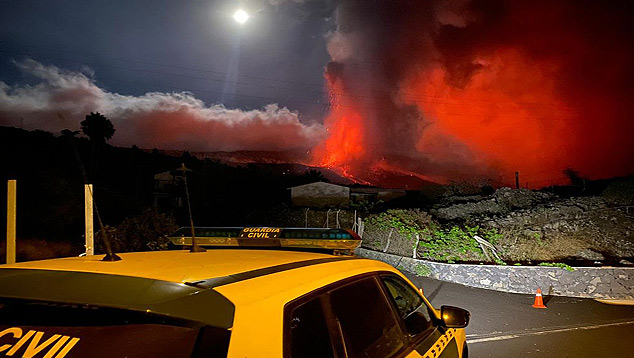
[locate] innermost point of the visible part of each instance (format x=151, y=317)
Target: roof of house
x=164, y=176
x=373, y=190
x=319, y=183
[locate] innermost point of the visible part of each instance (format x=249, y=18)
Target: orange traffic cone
x=539, y=302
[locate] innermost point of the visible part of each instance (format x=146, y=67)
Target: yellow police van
x=258, y=293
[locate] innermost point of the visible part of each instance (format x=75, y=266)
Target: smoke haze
x=483, y=88
x=156, y=119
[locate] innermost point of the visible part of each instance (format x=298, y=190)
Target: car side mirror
x=454, y=317
x=415, y=323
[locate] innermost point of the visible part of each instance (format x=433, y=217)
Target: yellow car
x=225, y=302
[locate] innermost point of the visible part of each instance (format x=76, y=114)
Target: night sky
x=442, y=90
x=79, y=49
x=137, y=47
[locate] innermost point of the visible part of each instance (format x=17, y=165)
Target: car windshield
x=39, y=329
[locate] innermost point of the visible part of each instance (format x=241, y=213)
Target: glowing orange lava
x=345, y=142
x=344, y=145
x=382, y=165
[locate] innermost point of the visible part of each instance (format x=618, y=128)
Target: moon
x=241, y=16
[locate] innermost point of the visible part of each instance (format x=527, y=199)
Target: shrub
x=148, y=230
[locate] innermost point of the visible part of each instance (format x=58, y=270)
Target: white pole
x=416, y=246
x=11, y=214
x=88, y=210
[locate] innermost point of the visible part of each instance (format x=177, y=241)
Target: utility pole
x=195, y=247
x=89, y=233
x=517, y=180
x=11, y=219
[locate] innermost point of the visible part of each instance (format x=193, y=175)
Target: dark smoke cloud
x=377, y=46
x=163, y=120
x=589, y=44
x=454, y=88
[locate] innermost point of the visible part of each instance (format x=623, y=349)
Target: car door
x=365, y=320
x=364, y=316
x=425, y=336
x=306, y=330
x=350, y=318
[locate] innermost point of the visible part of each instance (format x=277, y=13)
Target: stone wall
x=585, y=282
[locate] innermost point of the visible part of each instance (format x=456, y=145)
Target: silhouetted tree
x=69, y=133
x=186, y=157
x=312, y=175
x=99, y=129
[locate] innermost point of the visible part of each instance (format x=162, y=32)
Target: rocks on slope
x=540, y=226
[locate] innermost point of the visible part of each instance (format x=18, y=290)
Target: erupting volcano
x=478, y=90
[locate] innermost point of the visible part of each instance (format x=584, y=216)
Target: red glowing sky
x=497, y=87
x=440, y=90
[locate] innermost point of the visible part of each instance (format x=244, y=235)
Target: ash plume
x=481, y=88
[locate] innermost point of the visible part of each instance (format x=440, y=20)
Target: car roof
x=176, y=265
x=171, y=282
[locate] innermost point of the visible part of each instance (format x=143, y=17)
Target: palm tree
x=312, y=176
x=99, y=129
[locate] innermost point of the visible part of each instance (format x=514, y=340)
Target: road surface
x=505, y=325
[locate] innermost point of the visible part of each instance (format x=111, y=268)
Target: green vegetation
x=454, y=244
x=538, y=237
x=436, y=243
x=422, y=270
x=492, y=236
x=557, y=264
x=407, y=222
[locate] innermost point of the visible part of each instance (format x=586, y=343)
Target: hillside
x=582, y=223
x=50, y=187
x=524, y=226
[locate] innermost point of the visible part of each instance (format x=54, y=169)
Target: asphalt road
x=505, y=325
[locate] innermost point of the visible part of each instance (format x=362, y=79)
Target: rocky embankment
x=524, y=226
